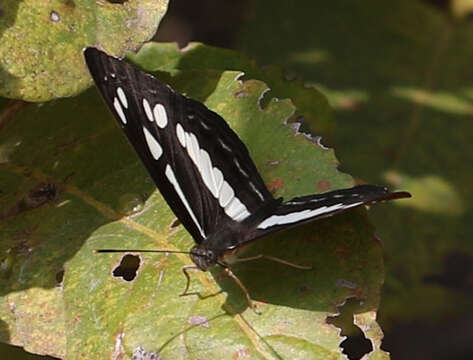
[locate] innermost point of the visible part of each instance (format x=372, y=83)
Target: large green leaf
x=400, y=76
x=92, y=314
x=41, y=41
x=311, y=106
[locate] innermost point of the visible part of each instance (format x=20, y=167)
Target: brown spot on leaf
x=11, y=306
x=275, y=184
x=11, y=110
x=241, y=354
x=36, y=197
x=199, y=320
x=141, y=354
x=359, y=294
x=241, y=94
x=221, y=276
x=68, y=178
x=273, y=163
x=359, y=181
x=323, y=185
x=346, y=284
x=303, y=290
x=342, y=252
x=349, y=104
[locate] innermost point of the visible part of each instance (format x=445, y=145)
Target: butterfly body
x=223, y=245
x=202, y=168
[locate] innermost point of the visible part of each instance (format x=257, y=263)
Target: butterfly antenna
x=139, y=250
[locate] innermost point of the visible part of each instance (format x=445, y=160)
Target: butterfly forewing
x=198, y=163
x=233, y=158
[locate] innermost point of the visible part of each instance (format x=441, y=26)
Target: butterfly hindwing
x=307, y=208
x=199, y=164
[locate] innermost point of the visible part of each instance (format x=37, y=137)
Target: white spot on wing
x=237, y=163
x=253, y=187
x=302, y=215
x=225, y=146
x=147, y=109
x=212, y=177
x=236, y=210
x=242, y=215
x=122, y=97
x=206, y=172
x=192, y=146
x=218, y=176
x=226, y=194
x=119, y=110
x=160, y=115
x=204, y=125
x=181, y=136
x=153, y=145
x=172, y=179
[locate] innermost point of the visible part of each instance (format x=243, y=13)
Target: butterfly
x=203, y=169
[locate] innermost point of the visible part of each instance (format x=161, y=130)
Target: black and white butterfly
x=203, y=169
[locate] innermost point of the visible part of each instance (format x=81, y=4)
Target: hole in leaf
x=141, y=354
x=60, y=276
x=117, y=1
x=264, y=99
x=356, y=345
x=54, y=16
x=128, y=267
x=175, y=223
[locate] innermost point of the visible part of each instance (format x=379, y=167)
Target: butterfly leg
x=243, y=288
x=184, y=270
x=273, y=258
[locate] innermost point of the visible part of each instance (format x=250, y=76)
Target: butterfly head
x=203, y=257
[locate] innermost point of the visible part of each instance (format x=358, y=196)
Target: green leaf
x=92, y=314
x=400, y=76
x=311, y=105
x=41, y=42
